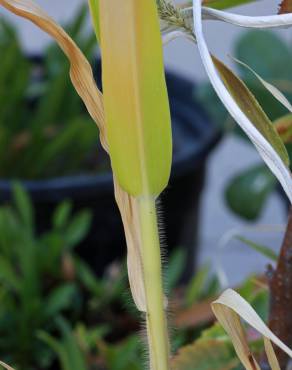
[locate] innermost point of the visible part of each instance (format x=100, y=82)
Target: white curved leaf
x=229, y=308
x=262, y=22
x=264, y=148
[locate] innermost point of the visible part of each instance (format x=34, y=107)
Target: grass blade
x=138, y=121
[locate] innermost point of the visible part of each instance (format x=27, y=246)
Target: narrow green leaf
x=135, y=96
x=223, y=4
x=59, y=299
x=94, y=10
x=23, y=205
x=8, y=277
x=265, y=251
x=78, y=228
x=197, y=284
x=57, y=347
x=74, y=352
x=61, y=214
x=250, y=106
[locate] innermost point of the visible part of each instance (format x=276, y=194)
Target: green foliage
x=207, y=354
x=33, y=283
x=67, y=349
x=196, y=286
x=175, y=268
x=42, y=280
x=50, y=133
x=94, y=10
x=247, y=192
x=82, y=348
x=37, y=291
x=123, y=356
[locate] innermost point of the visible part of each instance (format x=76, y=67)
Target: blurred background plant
x=64, y=315
x=67, y=318
x=42, y=279
x=45, y=130
x=247, y=192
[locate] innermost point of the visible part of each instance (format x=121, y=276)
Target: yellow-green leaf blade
x=135, y=96
x=250, y=106
x=94, y=11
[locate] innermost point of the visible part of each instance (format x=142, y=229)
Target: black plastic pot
x=194, y=138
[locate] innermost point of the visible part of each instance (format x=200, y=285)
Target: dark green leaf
x=24, y=206
x=247, y=192
x=61, y=214
x=78, y=228
x=59, y=299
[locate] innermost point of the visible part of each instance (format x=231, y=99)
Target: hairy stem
x=156, y=319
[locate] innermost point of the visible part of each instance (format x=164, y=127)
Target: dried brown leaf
x=272, y=358
x=229, y=308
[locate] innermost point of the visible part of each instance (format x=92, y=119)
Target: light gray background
x=217, y=224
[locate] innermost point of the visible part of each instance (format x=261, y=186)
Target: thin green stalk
x=156, y=319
